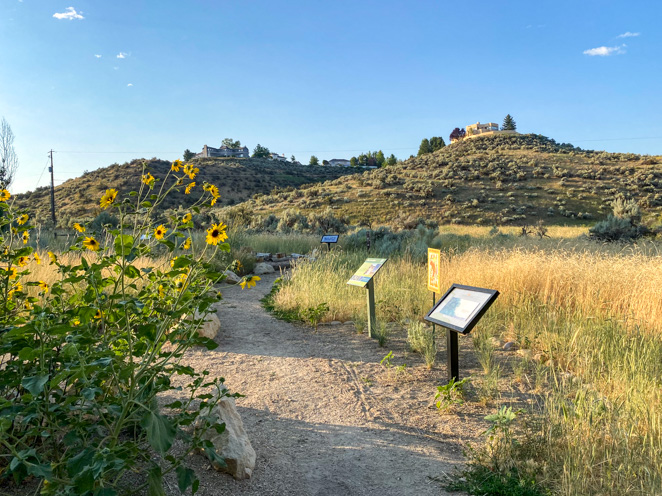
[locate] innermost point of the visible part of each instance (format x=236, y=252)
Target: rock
x=262, y=256
x=210, y=327
x=335, y=323
x=263, y=268
x=510, y=346
x=233, y=446
x=231, y=278
x=349, y=322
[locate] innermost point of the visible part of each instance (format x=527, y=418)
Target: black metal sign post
x=372, y=320
x=459, y=310
x=328, y=239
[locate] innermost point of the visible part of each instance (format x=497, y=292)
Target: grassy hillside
x=237, y=180
x=488, y=180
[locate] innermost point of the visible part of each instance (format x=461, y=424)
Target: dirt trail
x=324, y=417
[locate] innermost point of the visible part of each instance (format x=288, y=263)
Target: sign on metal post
x=328, y=239
x=363, y=278
x=459, y=310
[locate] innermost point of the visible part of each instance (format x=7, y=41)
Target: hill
x=237, y=179
x=488, y=180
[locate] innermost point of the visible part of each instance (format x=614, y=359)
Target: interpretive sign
x=461, y=307
x=329, y=238
x=365, y=273
x=434, y=281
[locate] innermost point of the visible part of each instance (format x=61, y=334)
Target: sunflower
x=17, y=287
x=249, y=282
x=213, y=201
x=176, y=165
x=180, y=282
x=187, y=218
x=216, y=234
x=26, y=237
x=43, y=286
x=160, y=231
x=180, y=181
x=37, y=258
x=191, y=171
x=27, y=305
x=91, y=244
x=22, y=219
x=79, y=228
x=12, y=273
x=189, y=188
x=213, y=189
x=148, y=179
x=4, y=195
x=161, y=291
x=98, y=314
x=187, y=244
x=172, y=262
x=22, y=261
x=52, y=257
x=108, y=198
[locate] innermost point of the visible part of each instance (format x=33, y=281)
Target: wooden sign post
x=459, y=310
x=434, y=281
x=363, y=278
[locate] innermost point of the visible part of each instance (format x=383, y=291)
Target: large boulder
x=263, y=268
x=210, y=327
x=233, y=445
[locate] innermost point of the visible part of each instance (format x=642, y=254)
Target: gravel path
x=324, y=417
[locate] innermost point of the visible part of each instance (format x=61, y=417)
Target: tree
x=314, y=160
x=230, y=143
x=293, y=159
x=425, y=147
x=458, y=134
x=188, y=155
x=437, y=143
x=8, y=157
x=380, y=158
x=509, y=124
x=353, y=162
x=261, y=151
x=391, y=160
x=325, y=162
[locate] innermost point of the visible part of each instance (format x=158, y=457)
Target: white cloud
x=122, y=55
x=605, y=51
x=97, y=55
x=130, y=84
x=70, y=14
x=627, y=34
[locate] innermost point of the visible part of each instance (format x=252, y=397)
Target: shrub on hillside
x=622, y=225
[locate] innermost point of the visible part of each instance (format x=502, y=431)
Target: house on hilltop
x=278, y=158
x=339, y=162
x=223, y=151
x=478, y=129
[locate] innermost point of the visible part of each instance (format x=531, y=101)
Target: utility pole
x=52, y=190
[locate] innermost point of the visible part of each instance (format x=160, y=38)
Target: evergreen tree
x=391, y=160
x=425, y=147
x=380, y=158
x=509, y=124
x=353, y=162
x=437, y=143
x=188, y=155
x=314, y=160
x=261, y=151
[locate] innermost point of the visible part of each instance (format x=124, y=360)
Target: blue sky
x=103, y=82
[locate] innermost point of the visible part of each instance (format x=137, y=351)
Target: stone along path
x=324, y=417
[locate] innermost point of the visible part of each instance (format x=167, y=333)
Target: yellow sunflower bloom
x=189, y=188
x=27, y=305
x=37, y=258
x=12, y=273
x=216, y=234
x=191, y=171
x=79, y=228
x=187, y=218
x=43, y=286
x=91, y=244
x=180, y=282
x=17, y=287
x=22, y=261
x=213, y=189
x=108, y=198
x=98, y=314
x=187, y=244
x=160, y=231
x=249, y=282
x=22, y=219
x=4, y=195
x=52, y=257
x=26, y=237
x=172, y=262
x=180, y=181
x=176, y=165
x=161, y=291
x=148, y=179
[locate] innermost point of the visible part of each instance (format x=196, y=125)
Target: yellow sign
x=434, y=280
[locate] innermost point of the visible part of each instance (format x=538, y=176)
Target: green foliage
x=261, y=151
x=425, y=147
x=314, y=160
x=230, y=143
x=382, y=332
x=421, y=340
x=508, y=124
x=281, y=314
x=386, y=361
x=86, y=354
x=188, y=155
x=623, y=225
x=314, y=315
x=450, y=394
x=432, y=145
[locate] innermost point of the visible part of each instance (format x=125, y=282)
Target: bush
x=86, y=353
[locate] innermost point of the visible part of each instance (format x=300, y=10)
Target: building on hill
x=223, y=151
x=339, y=162
x=478, y=129
x=277, y=158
